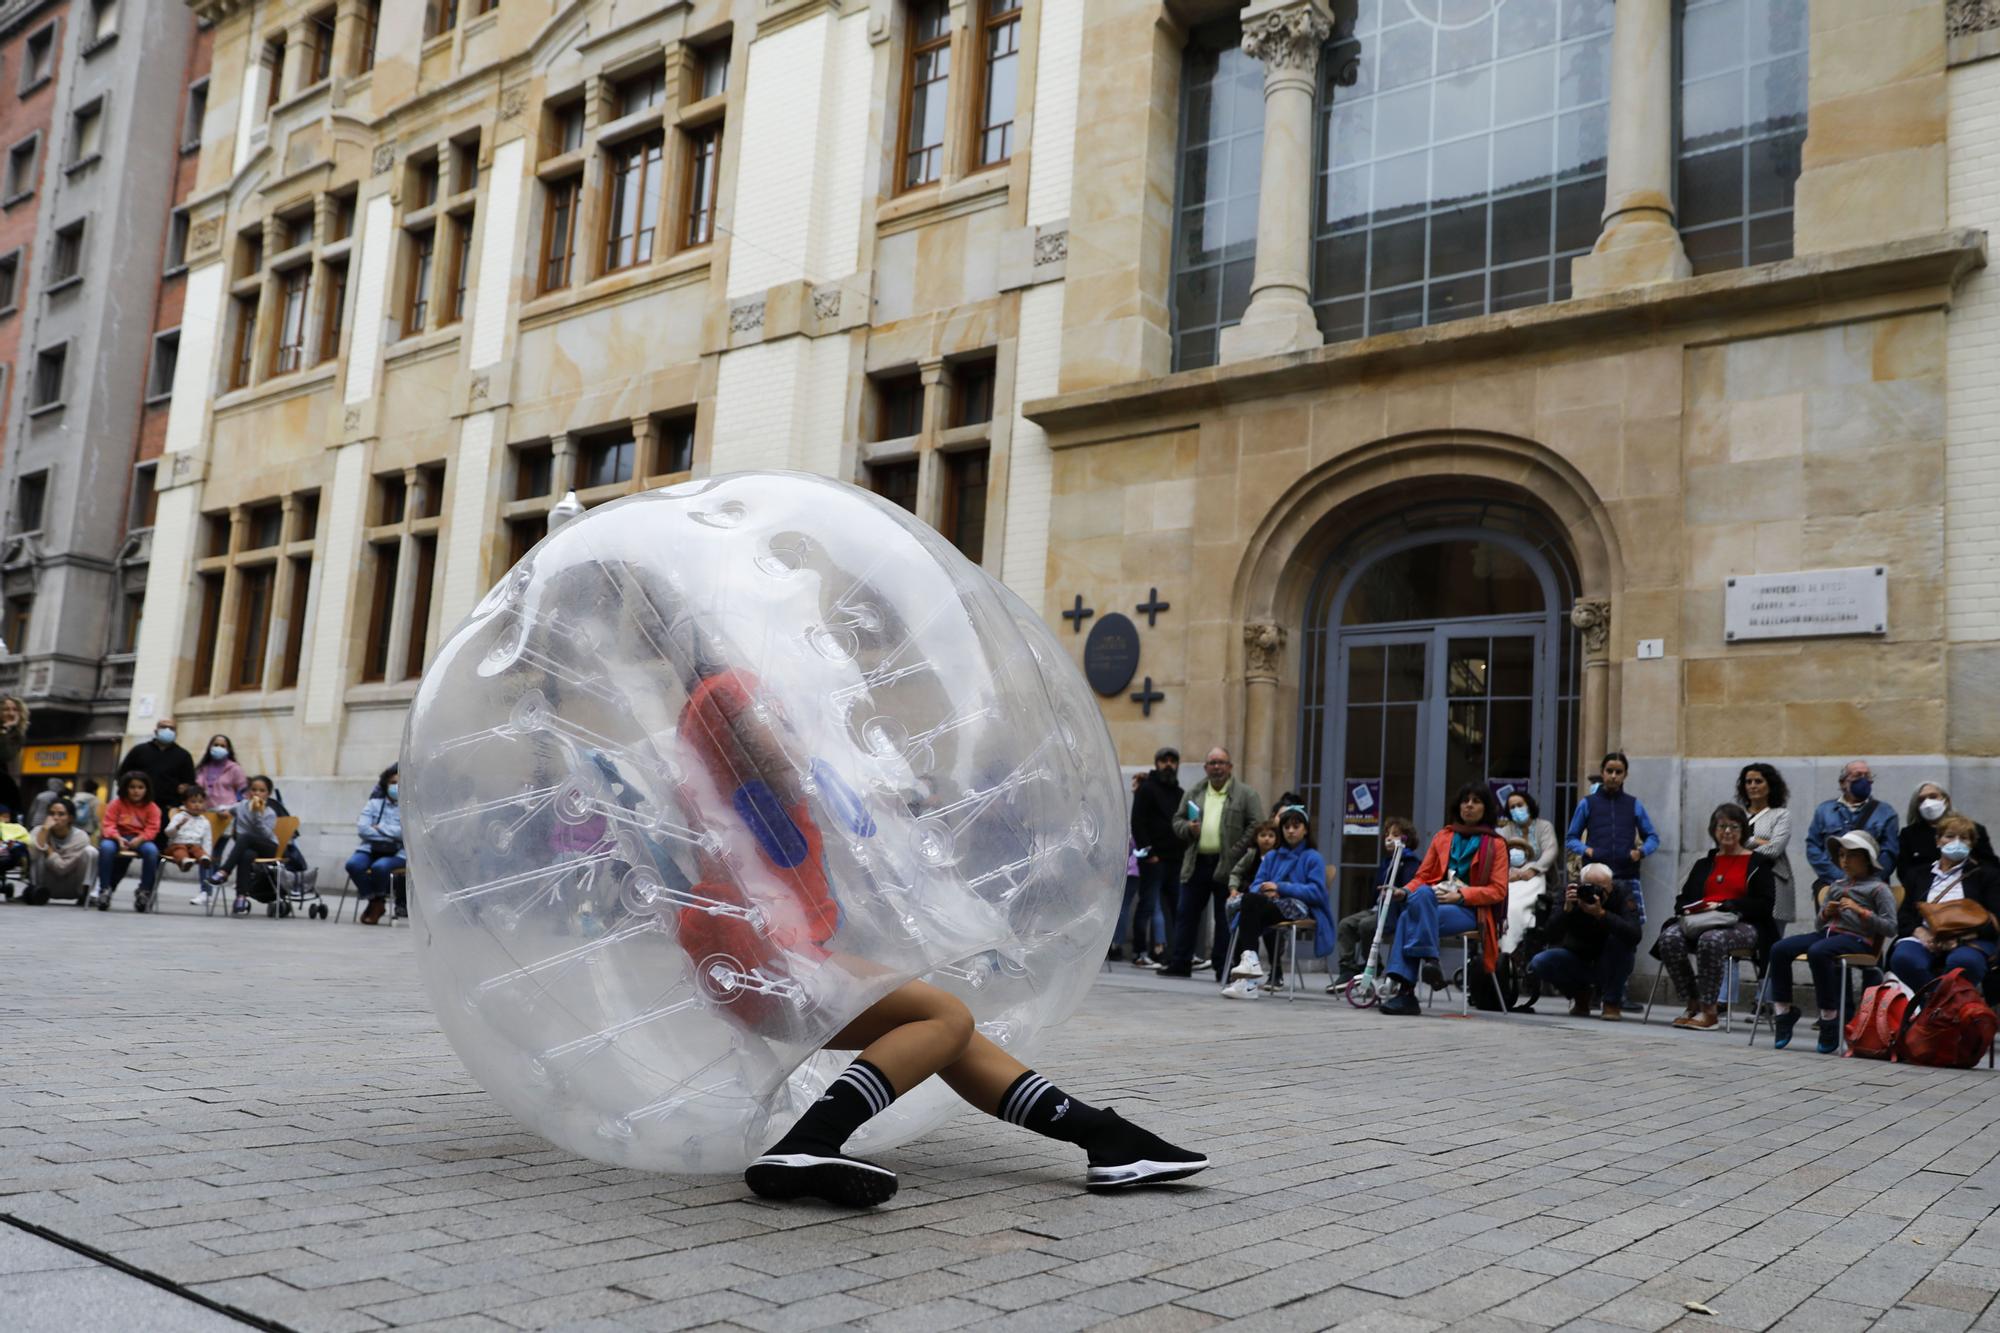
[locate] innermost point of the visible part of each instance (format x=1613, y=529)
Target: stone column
x=1592, y=616
x=1640, y=243
x=1263, y=657
x=1286, y=35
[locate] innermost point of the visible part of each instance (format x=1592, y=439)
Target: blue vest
x=1611, y=829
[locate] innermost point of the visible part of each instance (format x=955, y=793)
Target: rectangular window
x=899, y=406
x=522, y=534
x=972, y=393
x=264, y=527
x=66, y=257
x=1742, y=129
x=21, y=162
x=214, y=535
x=319, y=55
x=895, y=482
x=294, y=301
x=423, y=182
x=608, y=461
x=340, y=216
x=334, y=293
x=417, y=296
x=130, y=618
x=30, y=498
x=50, y=364
x=641, y=92
x=714, y=69
x=250, y=252
x=369, y=23
x=964, y=524
x=440, y=16
x=177, y=240
x=253, y=625
x=461, y=267
x=193, y=114
x=381, y=605
x=704, y=153
x=274, y=72
x=298, y=229
x=20, y=614
x=430, y=491
x=86, y=133
x=10, y=280
x=999, y=82
x=243, y=364
x=295, y=623
x=534, y=471
x=166, y=358
x=566, y=128
x=103, y=22
x=391, y=497
x=1215, y=216
x=635, y=203
x=465, y=165
x=305, y=516
x=38, y=60
x=145, y=495
x=205, y=633
x=926, y=90
x=559, y=232
x=420, y=605
x=676, y=445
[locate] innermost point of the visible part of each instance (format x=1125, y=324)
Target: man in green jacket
x=1216, y=821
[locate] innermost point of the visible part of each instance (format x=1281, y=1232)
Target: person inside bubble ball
x=732, y=730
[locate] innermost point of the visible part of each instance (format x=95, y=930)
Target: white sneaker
x=199, y=900
x=1248, y=966
x=1244, y=989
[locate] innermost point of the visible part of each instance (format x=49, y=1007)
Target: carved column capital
x=1592, y=616
x=1263, y=650
x=1969, y=16
x=1286, y=34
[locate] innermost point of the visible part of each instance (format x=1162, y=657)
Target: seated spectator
x=1460, y=887
x=1857, y=914
x=189, y=840
x=1289, y=884
x=1595, y=939
x=62, y=857
x=1966, y=883
x=1263, y=840
x=1356, y=933
x=253, y=834
x=381, y=850
x=1532, y=846
x=1732, y=878
x=131, y=828
x=221, y=779
x=1917, y=850
x=1856, y=808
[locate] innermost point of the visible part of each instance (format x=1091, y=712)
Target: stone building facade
x=1415, y=373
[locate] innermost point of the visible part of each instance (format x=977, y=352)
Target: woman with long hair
x=219, y=774
x=1461, y=887
x=381, y=851
x=1762, y=794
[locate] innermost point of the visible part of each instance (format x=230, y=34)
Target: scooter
x=1371, y=987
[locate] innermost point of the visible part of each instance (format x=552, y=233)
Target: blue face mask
x=1518, y=813
x=165, y=735
x=1516, y=857
x=1955, y=851
x=394, y=787
x=1861, y=789
x=1593, y=788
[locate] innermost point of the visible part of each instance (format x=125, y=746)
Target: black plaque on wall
x=1111, y=654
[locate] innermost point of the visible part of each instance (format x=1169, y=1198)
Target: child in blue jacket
x=1290, y=883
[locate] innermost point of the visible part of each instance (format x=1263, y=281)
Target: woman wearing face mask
x=1917, y=849
x=219, y=775
x=381, y=849
x=1532, y=846
x=1967, y=884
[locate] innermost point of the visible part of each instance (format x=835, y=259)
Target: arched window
x=1215, y=215
x=1742, y=128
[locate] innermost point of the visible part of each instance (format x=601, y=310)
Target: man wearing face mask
x=163, y=761
x=1855, y=808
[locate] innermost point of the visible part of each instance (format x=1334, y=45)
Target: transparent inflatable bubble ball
x=714, y=769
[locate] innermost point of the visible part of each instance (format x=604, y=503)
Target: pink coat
x=225, y=783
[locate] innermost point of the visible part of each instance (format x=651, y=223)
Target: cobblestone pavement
x=264, y=1113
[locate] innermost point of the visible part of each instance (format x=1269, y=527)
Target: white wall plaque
x=1812, y=604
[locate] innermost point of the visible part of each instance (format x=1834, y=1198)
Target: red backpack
x=1878, y=1021
x=1953, y=1027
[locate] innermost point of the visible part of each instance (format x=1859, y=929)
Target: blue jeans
x=1916, y=966
x=371, y=873
x=111, y=865
x=1576, y=974
x=1822, y=954
x=1149, y=920
x=1416, y=927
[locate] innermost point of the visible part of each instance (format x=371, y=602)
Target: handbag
x=1695, y=924
x=1962, y=916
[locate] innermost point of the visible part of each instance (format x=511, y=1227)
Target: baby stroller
x=283, y=882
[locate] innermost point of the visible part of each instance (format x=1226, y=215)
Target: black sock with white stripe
x=850, y=1101
x=1032, y=1102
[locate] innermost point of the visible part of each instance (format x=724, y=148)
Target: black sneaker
x=1403, y=1004
x=1781, y=1028
x=834, y=1178
x=1127, y=1155
x=1434, y=976
x=1184, y=973
x=1829, y=1035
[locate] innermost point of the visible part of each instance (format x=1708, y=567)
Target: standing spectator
x=167, y=766
x=381, y=850
x=1460, y=887
x=1732, y=878
x=1611, y=825
x=1962, y=874
x=1355, y=935
x=1761, y=791
x=1595, y=939
x=1532, y=846
x=1215, y=821
x=131, y=828
x=1155, y=801
x=1855, y=808
x=219, y=775
x=13, y=737
x=1288, y=884
x=1858, y=914
x=62, y=858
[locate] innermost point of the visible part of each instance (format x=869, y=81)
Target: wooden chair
x=219, y=824
x=288, y=828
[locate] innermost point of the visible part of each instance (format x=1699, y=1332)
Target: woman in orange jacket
x=1460, y=887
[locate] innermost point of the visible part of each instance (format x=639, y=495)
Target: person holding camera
x=1727, y=903
x=1596, y=937
x=381, y=849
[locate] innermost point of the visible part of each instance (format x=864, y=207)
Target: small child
x=1357, y=929
x=190, y=841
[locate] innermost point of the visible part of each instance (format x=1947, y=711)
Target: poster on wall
x=1505, y=787
x=1362, y=817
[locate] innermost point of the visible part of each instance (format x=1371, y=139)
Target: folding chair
x=1850, y=963
x=1295, y=985
x=1465, y=943
x=288, y=828
x=1725, y=999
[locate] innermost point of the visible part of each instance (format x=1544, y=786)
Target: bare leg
x=918, y=1030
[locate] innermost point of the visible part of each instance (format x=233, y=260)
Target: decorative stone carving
x=480, y=389
x=207, y=234
x=385, y=157
x=746, y=317
x=352, y=421
x=826, y=302
x=1263, y=649
x=1592, y=616
x=513, y=102
x=1051, y=248
x=1287, y=38
x=1968, y=16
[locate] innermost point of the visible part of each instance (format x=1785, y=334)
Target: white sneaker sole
x=1141, y=1173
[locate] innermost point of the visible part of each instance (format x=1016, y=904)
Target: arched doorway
x=1437, y=650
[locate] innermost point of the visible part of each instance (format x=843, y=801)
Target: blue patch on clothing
x=782, y=842
x=843, y=800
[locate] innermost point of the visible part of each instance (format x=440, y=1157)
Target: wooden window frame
x=650, y=150
x=243, y=364
x=703, y=166
x=417, y=279
x=562, y=198
x=288, y=354
x=459, y=275
x=319, y=30
x=245, y=675
x=982, y=86
x=915, y=50
x=333, y=317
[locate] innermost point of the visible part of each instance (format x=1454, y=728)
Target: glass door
x=1384, y=685
x=1490, y=696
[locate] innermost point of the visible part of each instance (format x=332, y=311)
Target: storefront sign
x=50, y=760
x=1362, y=815
x=1111, y=654
x=1813, y=604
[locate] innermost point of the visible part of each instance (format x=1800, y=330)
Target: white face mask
x=1931, y=808
x=1517, y=857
